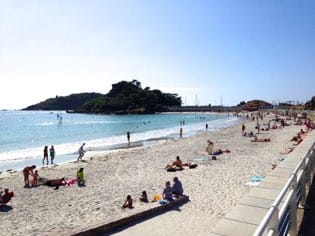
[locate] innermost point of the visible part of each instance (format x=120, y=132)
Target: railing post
x=312, y=161
x=274, y=222
x=304, y=183
x=293, y=208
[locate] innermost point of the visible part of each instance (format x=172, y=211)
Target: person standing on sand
x=80, y=177
x=52, y=154
x=181, y=132
x=27, y=171
x=243, y=129
x=128, y=137
x=81, y=152
x=209, y=147
x=207, y=126
x=45, y=155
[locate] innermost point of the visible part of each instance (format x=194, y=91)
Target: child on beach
x=209, y=147
x=168, y=192
x=80, y=178
x=128, y=203
x=35, y=179
x=144, y=197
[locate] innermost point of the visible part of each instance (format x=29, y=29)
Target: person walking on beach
x=52, y=154
x=128, y=137
x=45, y=155
x=207, y=126
x=181, y=132
x=81, y=152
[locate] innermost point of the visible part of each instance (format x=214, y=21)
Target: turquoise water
x=25, y=133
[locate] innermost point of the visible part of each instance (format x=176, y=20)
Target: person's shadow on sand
x=5, y=208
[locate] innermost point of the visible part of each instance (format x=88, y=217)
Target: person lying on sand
x=296, y=138
x=287, y=151
x=177, y=164
x=56, y=183
x=220, y=151
x=249, y=134
x=261, y=140
x=6, y=196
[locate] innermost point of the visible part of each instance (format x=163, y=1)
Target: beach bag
x=193, y=166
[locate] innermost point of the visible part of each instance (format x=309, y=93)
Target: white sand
x=214, y=187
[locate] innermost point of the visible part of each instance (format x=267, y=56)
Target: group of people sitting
x=170, y=193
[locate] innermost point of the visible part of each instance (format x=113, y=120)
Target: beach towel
x=255, y=180
x=201, y=158
x=163, y=202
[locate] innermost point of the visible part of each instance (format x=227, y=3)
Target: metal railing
x=283, y=220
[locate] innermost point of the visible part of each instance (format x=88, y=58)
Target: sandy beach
x=214, y=187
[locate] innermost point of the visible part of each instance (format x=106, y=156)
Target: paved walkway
x=306, y=216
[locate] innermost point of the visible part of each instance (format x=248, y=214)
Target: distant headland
x=130, y=98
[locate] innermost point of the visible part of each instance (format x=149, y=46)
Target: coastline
x=214, y=187
x=143, y=133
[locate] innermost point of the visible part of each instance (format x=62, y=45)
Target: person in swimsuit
x=27, y=171
x=45, y=155
x=52, y=154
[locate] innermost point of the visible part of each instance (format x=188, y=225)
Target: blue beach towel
x=256, y=178
x=163, y=202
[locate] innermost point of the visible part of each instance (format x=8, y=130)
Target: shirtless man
x=27, y=171
x=176, y=164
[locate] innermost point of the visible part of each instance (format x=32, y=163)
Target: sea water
x=23, y=134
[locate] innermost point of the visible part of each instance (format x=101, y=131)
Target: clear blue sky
x=202, y=50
